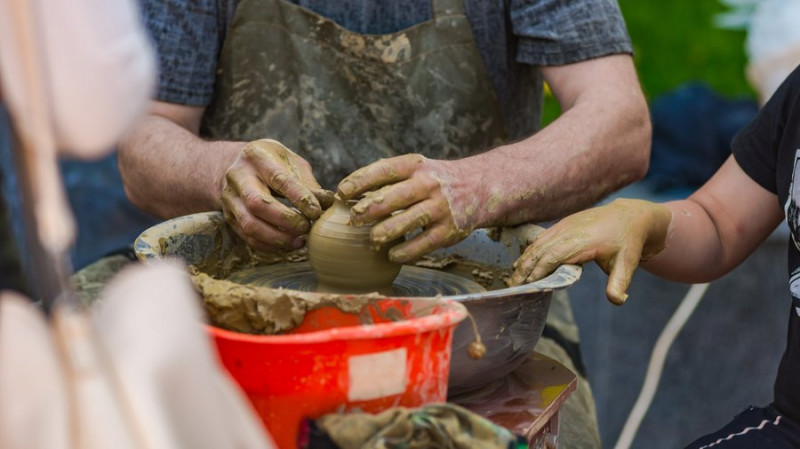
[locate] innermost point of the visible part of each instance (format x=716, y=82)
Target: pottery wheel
x=411, y=282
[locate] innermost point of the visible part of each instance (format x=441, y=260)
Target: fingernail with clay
x=619, y=300
x=299, y=242
x=346, y=188
x=378, y=235
x=356, y=220
x=360, y=207
x=398, y=256
x=325, y=198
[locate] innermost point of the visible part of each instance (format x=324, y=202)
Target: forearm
x=717, y=227
x=597, y=146
x=704, y=243
x=694, y=250
x=167, y=170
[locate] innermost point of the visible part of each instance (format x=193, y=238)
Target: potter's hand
x=617, y=236
x=413, y=192
x=265, y=169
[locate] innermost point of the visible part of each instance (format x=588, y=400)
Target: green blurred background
x=676, y=42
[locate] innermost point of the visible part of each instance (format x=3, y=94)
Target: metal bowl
x=509, y=319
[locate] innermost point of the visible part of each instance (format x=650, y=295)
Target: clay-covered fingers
x=620, y=270
x=617, y=236
x=243, y=189
x=418, y=216
x=288, y=175
x=580, y=238
x=547, y=252
x=261, y=220
x=379, y=174
x=382, y=203
x=408, y=193
x=264, y=169
x=261, y=235
x=428, y=240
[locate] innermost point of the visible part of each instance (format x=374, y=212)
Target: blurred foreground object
x=148, y=327
x=97, y=69
x=773, y=39
x=73, y=379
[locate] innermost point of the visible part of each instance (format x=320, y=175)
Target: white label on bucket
x=377, y=375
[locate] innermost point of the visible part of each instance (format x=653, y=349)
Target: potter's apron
x=342, y=100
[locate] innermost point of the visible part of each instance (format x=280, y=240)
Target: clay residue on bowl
x=262, y=310
x=210, y=245
x=222, y=262
x=267, y=311
x=488, y=276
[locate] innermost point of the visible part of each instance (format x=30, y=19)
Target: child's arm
x=693, y=240
x=717, y=227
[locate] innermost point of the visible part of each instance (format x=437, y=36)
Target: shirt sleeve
x=188, y=36
x=557, y=32
x=755, y=147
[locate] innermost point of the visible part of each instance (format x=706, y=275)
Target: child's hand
x=617, y=236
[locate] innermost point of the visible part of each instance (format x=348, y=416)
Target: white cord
x=656, y=365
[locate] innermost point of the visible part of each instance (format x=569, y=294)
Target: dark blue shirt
x=512, y=36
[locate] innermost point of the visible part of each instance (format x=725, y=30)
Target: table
x=528, y=401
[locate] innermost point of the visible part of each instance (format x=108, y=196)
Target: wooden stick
x=50, y=226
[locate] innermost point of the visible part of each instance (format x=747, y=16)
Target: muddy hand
x=617, y=236
x=407, y=193
x=265, y=169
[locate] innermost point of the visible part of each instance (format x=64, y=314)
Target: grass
x=676, y=42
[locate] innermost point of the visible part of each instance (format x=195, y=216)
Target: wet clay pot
x=342, y=257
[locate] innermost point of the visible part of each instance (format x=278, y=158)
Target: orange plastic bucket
x=332, y=362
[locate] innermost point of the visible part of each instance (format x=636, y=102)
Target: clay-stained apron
x=342, y=100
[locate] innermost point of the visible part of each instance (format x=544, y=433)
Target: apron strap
x=442, y=8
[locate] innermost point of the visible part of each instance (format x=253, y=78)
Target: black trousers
x=754, y=428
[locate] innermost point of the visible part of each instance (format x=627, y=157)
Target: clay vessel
x=342, y=257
